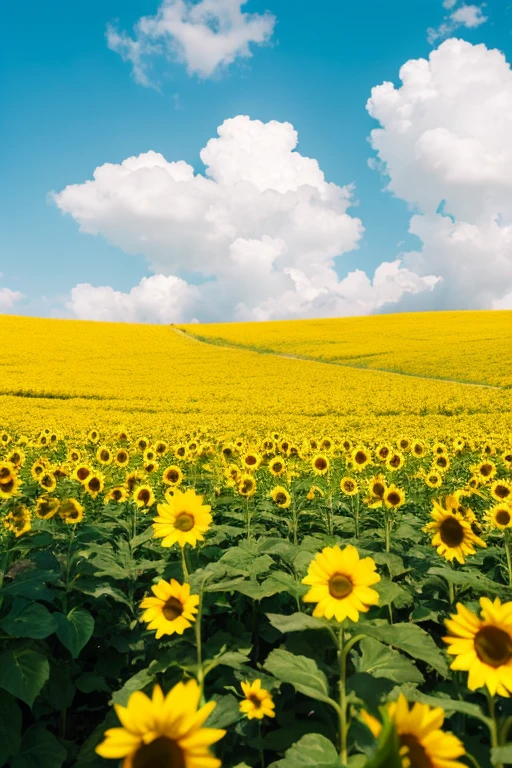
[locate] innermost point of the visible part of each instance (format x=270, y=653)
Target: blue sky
x=70, y=104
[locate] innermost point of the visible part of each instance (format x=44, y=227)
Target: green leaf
x=103, y=590
x=300, y=672
x=88, y=682
x=449, y=705
x=381, y=661
x=39, y=749
x=475, y=580
x=226, y=712
x=28, y=620
x=75, y=629
x=296, y=622
x=10, y=726
x=391, y=593
x=23, y=673
x=501, y=755
x=284, y=582
x=136, y=683
x=31, y=584
x=409, y=638
x=312, y=750
x=387, y=754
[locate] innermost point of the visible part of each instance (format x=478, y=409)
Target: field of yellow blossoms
x=213, y=553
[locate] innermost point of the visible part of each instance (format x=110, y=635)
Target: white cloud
x=206, y=36
x=157, y=299
x=469, y=16
x=8, y=298
x=445, y=134
x=261, y=230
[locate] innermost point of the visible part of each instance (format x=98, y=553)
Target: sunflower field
x=215, y=557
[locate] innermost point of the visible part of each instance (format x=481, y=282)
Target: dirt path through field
x=191, y=337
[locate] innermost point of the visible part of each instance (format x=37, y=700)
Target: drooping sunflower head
x=93, y=436
x=418, y=449
x=320, y=464
x=71, y=511
x=341, y=583
x=171, y=610
x=183, y=520
x=47, y=481
x=258, y=702
x=452, y=534
x=133, y=480
x=482, y=645
x=142, y=443
x=349, y=486
x=423, y=743
x=281, y=497
x=500, y=516
x=46, y=507
x=163, y=731
x=18, y=520
x=16, y=457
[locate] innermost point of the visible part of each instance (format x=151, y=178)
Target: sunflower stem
x=199, y=647
x=260, y=745
x=356, y=515
x=248, y=519
x=387, y=532
x=451, y=592
x=493, y=727
x=184, y=564
x=509, y=559
x=343, y=697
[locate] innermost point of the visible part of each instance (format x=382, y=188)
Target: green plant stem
x=68, y=569
x=493, y=728
x=451, y=592
x=260, y=746
x=509, y=559
x=248, y=519
x=387, y=533
x=343, y=651
x=199, y=647
x=184, y=564
x=295, y=522
x=356, y=514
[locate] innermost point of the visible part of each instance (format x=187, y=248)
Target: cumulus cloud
x=205, y=36
x=258, y=233
x=445, y=135
x=469, y=16
x=8, y=298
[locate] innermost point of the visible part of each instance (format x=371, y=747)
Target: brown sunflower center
x=415, y=751
x=143, y=496
x=493, y=646
x=360, y=457
x=378, y=490
x=349, y=485
x=503, y=517
x=502, y=491
x=173, y=475
x=452, y=532
x=161, y=753
x=395, y=461
x=280, y=498
x=122, y=456
x=94, y=484
x=250, y=460
x=277, y=466
x=320, y=464
x=4, y=472
x=172, y=609
x=255, y=700
x=83, y=473
x=393, y=498
x=184, y=522
x=442, y=461
x=105, y=455
x=485, y=470
x=340, y=586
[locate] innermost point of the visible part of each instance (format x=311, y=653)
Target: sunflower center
x=378, y=490
x=173, y=475
x=280, y=498
x=503, y=517
x=143, y=495
x=253, y=698
x=452, y=532
x=395, y=461
x=321, y=464
x=250, y=460
x=415, y=751
x=360, y=457
x=502, y=491
x=394, y=498
x=485, y=470
x=172, y=609
x=340, y=586
x=493, y=646
x=161, y=753
x=349, y=485
x=277, y=466
x=184, y=522
x=94, y=484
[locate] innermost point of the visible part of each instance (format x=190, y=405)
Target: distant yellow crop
x=73, y=375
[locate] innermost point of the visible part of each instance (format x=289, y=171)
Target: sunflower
x=349, y=486
x=183, y=520
x=277, y=467
x=439, y=448
x=71, y=511
x=94, y=484
x=9, y=486
x=93, y=436
x=501, y=490
x=360, y=458
x=453, y=535
x=171, y=609
x=149, y=455
x=117, y=494
x=16, y=457
x=340, y=583
x=134, y=479
x=251, y=461
x=172, y=475
x=441, y=463
x=122, y=457
x=326, y=444
x=46, y=507
x=142, y=443
x=161, y=448
x=376, y=488
x=18, y=520
x=74, y=454
x=104, y=455
x=258, y=701
x=394, y=461
x=500, y=516
x=5, y=438
x=320, y=464
x=423, y=743
x=404, y=444
x=143, y=496
x=383, y=452
x=506, y=458
x=281, y=497
x=247, y=485
x=434, y=479
x=394, y=497
x=483, y=646
x=123, y=436
x=314, y=491
x=81, y=472
x=163, y=731
x=485, y=470
x=47, y=481
x=181, y=451
x=418, y=449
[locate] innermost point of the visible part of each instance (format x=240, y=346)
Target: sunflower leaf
x=481, y=584
x=381, y=661
x=296, y=622
x=311, y=750
x=409, y=638
x=302, y=673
